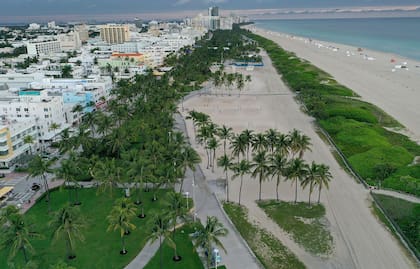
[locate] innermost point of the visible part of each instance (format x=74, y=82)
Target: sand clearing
x=389, y=81
x=360, y=240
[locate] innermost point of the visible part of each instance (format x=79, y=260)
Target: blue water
x=395, y=35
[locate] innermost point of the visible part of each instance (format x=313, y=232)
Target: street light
x=187, y=194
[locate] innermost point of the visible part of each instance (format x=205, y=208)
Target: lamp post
x=187, y=194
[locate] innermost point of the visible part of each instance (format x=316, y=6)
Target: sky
x=55, y=7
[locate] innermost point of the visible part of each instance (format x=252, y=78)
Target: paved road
x=206, y=204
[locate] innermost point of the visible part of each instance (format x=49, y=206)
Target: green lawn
x=305, y=224
x=101, y=248
x=185, y=249
x=405, y=214
x=269, y=250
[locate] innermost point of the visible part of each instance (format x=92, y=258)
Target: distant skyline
x=26, y=11
x=58, y=7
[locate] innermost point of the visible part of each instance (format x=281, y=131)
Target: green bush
x=365, y=162
x=406, y=179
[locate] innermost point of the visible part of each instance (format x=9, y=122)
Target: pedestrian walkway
x=145, y=255
x=400, y=195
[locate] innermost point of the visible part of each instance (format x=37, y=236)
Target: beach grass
x=306, y=224
x=361, y=130
x=405, y=214
x=268, y=249
x=185, y=249
x=100, y=248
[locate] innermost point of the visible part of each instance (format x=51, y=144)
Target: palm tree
x=120, y=218
x=212, y=145
x=271, y=137
x=240, y=83
x=278, y=169
x=239, y=170
x=15, y=233
x=248, y=137
x=77, y=109
x=160, y=229
x=38, y=167
x=68, y=171
x=136, y=169
x=261, y=168
x=299, y=143
x=189, y=159
x=209, y=235
x=324, y=177
x=296, y=171
x=67, y=224
x=54, y=127
x=225, y=133
x=108, y=173
x=311, y=179
x=238, y=146
x=178, y=211
x=259, y=142
x=283, y=144
x=226, y=163
x=29, y=140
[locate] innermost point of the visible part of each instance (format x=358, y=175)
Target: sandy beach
x=360, y=240
x=377, y=77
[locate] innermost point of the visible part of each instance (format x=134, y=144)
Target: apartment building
x=13, y=144
x=115, y=33
x=47, y=47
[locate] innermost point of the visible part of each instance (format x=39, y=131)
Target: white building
x=34, y=26
x=37, y=48
x=51, y=25
x=83, y=31
x=70, y=41
x=37, y=107
x=13, y=146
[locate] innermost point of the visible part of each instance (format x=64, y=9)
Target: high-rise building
x=115, y=34
x=213, y=11
x=83, y=31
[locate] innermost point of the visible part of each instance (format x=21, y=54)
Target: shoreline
x=371, y=74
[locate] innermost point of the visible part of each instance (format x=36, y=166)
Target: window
x=46, y=116
x=45, y=109
x=19, y=116
x=26, y=109
x=26, y=116
x=17, y=109
x=4, y=152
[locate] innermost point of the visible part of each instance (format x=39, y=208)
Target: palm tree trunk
x=240, y=190
x=69, y=247
x=25, y=255
x=214, y=157
x=47, y=189
x=123, y=244
x=160, y=252
x=227, y=186
x=296, y=184
x=208, y=158
x=277, y=187
x=319, y=193
x=259, y=195
x=181, y=185
x=310, y=192
x=224, y=147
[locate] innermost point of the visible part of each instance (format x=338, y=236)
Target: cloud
x=181, y=2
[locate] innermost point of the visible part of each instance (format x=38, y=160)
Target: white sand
x=360, y=240
x=368, y=73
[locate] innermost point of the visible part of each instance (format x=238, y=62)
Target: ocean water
x=394, y=35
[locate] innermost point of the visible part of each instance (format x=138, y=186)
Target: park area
x=100, y=249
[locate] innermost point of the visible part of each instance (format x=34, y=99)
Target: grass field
x=405, y=214
x=303, y=223
x=185, y=249
x=269, y=250
x=101, y=248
